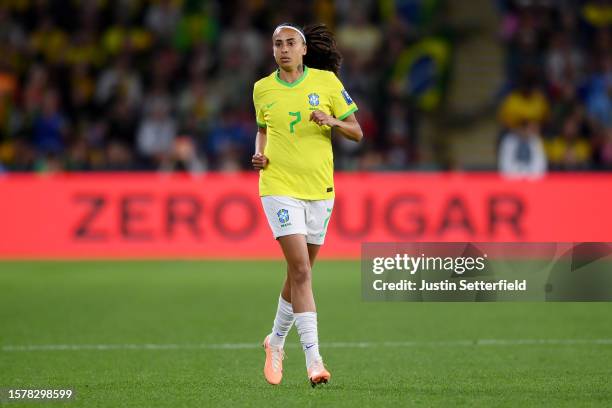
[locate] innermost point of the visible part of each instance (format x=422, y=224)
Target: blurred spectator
x=372, y=160
x=570, y=150
x=598, y=13
x=48, y=163
x=49, y=41
x=123, y=122
x=50, y=128
x=241, y=36
x=35, y=88
x=162, y=18
x=7, y=152
x=123, y=36
x=156, y=135
x=229, y=141
x=8, y=90
x=605, y=150
x=564, y=61
x=119, y=81
x=11, y=33
x=526, y=103
x=118, y=157
x=78, y=159
x=23, y=156
x=193, y=103
x=197, y=28
x=184, y=157
x=599, y=99
x=84, y=49
x=565, y=103
x=521, y=154
x=358, y=37
x=401, y=148
x=82, y=90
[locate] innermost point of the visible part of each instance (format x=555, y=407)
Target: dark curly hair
x=322, y=51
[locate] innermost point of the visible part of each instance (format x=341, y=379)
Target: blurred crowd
x=166, y=84
x=95, y=85
x=556, y=113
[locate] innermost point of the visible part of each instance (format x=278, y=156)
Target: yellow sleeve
x=342, y=105
x=259, y=116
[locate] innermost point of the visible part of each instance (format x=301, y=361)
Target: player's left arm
x=349, y=127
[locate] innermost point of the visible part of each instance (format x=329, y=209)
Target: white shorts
x=288, y=216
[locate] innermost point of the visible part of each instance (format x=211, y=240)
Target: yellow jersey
x=299, y=152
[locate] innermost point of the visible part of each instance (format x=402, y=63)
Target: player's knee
x=299, y=273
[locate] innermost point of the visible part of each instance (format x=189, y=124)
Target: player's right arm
x=259, y=160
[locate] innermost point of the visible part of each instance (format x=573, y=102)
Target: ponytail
x=322, y=52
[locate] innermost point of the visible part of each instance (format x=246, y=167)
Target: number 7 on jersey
x=298, y=118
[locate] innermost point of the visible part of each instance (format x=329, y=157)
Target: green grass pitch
x=379, y=354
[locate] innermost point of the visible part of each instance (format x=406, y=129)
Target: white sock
x=282, y=323
x=306, y=324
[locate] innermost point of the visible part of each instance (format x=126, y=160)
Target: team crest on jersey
x=283, y=216
x=313, y=99
x=347, y=97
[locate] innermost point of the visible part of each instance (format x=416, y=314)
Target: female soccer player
x=297, y=106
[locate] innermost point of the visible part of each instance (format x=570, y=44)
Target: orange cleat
x=318, y=374
x=273, y=368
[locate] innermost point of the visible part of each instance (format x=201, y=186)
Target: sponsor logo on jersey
x=313, y=99
x=347, y=97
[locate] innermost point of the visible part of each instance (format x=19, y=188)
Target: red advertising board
x=220, y=215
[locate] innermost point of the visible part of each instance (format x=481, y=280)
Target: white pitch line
x=362, y=344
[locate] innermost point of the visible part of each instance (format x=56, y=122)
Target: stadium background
x=126, y=130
